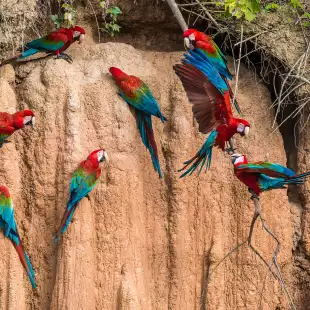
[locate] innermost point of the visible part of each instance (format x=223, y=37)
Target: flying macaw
x=54, y=43
x=137, y=94
x=263, y=176
x=212, y=110
x=82, y=183
x=204, y=49
x=9, y=123
x=9, y=227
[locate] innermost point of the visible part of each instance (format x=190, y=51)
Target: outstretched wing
x=51, y=42
x=210, y=107
x=266, y=168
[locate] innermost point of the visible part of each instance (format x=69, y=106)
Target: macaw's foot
x=254, y=196
x=65, y=57
x=87, y=196
x=229, y=149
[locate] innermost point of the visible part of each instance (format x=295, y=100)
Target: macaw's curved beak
x=33, y=121
x=186, y=43
x=246, y=130
x=105, y=156
x=81, y=38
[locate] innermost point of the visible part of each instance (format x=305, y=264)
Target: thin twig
x=208, y=14
x=252, y=37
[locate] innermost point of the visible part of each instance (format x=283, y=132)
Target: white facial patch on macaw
x=76, y=34
x=191, y=37
x=237, y=158
x=240, y=128
x=100, y=156
x=27, y=119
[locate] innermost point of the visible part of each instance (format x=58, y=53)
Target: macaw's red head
x=5, y=191
x=23, y=118
x=243, y=127
x=238, y=159
x=118, y=74
x=192, y=35
x=78, y=34
x=98, y=156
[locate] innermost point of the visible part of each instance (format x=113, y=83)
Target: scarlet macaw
x=205, y=50
x=54, y=43
x=212, y=110
x=9, y=227
x=137, y=94
x=83, y=181
x=9, y=123
x=263, y=176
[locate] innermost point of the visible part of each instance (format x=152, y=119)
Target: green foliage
x=65, y=17
x=272, y=7
x=110, y=15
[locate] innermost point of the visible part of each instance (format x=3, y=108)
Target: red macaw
x=137, y=94
x=207, y=50
x=9, y=227
x=54, y=43
x=212, y=110
x=82, y=183
x=263, y=176
x=9, y=123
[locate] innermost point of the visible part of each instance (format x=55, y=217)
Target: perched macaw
x=206, y=52
x=54, y=43
x=137, y=94
x=11, y=122
x=263, y=176
x=199, y=40
x=9, y=227
x=212, y=110
x=82, y=183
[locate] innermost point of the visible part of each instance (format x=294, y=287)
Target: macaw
x=54, y=43
x=9, y=227
x=82, y=183
x=137, y=94
x=206, y=51
x=199, y=40
x=9, y=123
x=263, y=176
x=212, y=110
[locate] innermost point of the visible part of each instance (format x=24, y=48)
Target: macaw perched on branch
x=263, y=176
x=204, y=49
x=137, y=94
x=54, y=43
x=9, y=227
x=82, y=183
x=9, y=123
x=212, y=110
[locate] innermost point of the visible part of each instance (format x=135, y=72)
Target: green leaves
x=66, y=16
x=110, y=18
x=241, y=8
x=271, y=7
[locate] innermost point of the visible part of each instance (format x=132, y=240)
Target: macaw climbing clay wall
x=138, y=242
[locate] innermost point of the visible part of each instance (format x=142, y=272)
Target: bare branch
x=177, y=14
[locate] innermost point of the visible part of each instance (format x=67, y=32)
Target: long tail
x=25, y=261
x=148, y=139
x=23, y=55
x=203, y=156
x=66, y=219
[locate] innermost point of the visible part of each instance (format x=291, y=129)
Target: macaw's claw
x=254, y=196
x=65, y=57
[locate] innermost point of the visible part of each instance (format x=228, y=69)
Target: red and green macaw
x=137, y=94
x=82, y=183
x=9, y=227
x=263, y=176
x=54, y=43
x=212, y=110
x=206, y=53
x=9, y=123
